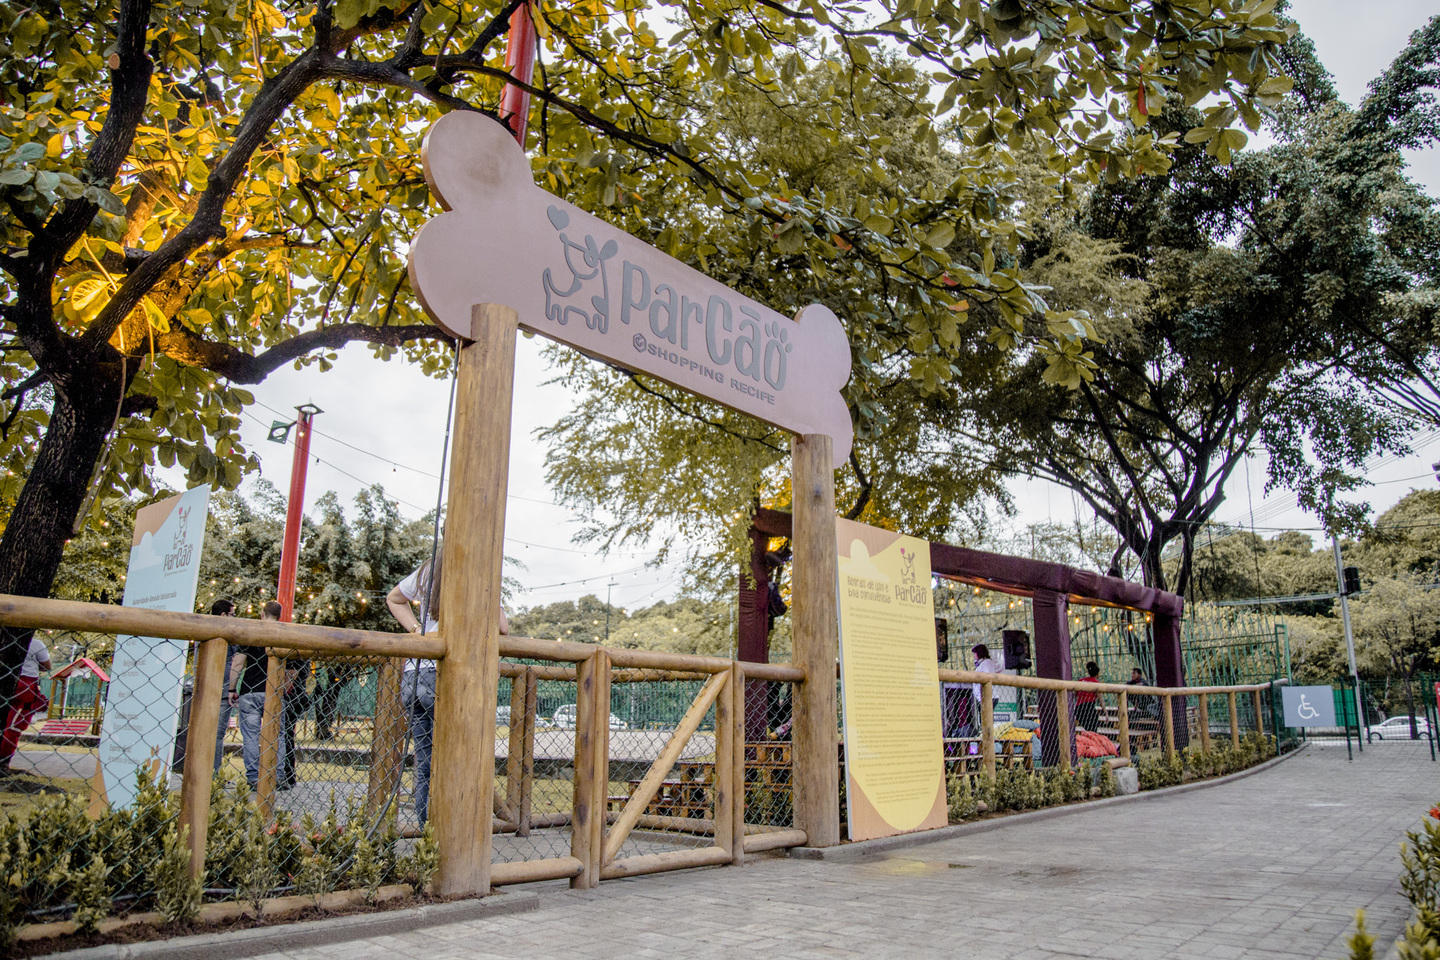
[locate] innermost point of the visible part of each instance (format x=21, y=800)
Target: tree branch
x=241, y=367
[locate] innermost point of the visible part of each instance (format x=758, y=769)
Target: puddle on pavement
x=910, y=867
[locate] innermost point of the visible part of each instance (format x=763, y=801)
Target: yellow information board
x=889, y=682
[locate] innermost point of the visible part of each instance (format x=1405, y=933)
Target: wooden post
x=737, y=807
x=515, y=755
x=387, y=742
x=522, y=791
x=462, y=779
x=1205, y=722
x=1259, y=714
x=600, y=760
x=270, y=736
x=1122, y=721
x=592, y=738
x=725, y=780
x=95, y=708
x=199, y=764
x=816, y=641
x=1062, y=727
x=987, y=729
x=1169, y=726
x=1234, y=720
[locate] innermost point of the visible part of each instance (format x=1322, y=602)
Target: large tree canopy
x=193, y=194
x=1256, y=304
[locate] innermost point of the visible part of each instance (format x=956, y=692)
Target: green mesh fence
x=1221, y=645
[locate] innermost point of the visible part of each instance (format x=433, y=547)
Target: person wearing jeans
x=417, y=694
x=417, y=683
x=250, y=667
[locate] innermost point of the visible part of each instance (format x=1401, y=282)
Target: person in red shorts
x=1087, y=711
x=28, y=700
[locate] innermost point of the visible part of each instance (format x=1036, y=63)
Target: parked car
x=564, y=719
x=1398, y=728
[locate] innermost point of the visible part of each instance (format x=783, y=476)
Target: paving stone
x=1268, y=867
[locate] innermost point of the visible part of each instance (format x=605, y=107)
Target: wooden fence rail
x=597, y=833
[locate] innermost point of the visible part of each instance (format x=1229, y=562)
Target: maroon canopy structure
x=1052, y=588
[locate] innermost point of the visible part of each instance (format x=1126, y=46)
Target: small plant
x=92, y=897
x=257, y=872
x=366, y=872
x=1032, y=789
x=418, y=868
x=177, y=894
x=959, y=795
x=1417, y=944
x=1420, y=858
x=985, y=792
x=1107, y=781
x=1157, y=772
x=1361, y=943
x=1056, y=791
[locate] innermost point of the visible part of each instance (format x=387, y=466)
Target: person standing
x=1087, y=709
x=297, y=703
x=250, y=668
x=26, y=702
x=983, y=664
x=417, y=682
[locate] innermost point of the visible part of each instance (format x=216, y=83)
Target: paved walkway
x=1270, y=866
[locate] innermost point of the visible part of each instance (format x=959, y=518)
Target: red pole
x=294, y=511
x=520, y=62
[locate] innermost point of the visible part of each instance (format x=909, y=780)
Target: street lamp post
x=608, y=587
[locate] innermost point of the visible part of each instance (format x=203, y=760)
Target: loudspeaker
x=1016, y=644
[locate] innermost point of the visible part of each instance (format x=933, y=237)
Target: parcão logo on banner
x=757, y=350
x=181, y=551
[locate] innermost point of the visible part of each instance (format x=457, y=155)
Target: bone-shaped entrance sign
x=574, y=278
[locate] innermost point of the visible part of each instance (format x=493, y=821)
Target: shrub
x=92, y=897
x=1362, y=945
x=256, y=873
x=420, y=865
x=985, y=792
x=1420, y=858
x=366, y=871
x=960, y=796
x=177, y=895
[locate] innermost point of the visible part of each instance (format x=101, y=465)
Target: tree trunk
x=43, y=518
x=1152, y=566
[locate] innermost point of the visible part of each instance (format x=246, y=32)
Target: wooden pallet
x=1008, y=753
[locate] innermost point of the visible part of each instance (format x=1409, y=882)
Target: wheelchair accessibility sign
x=1309, y=706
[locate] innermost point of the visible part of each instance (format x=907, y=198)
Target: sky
x=384, y=422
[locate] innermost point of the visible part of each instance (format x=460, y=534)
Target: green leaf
x=106, y=200
x=941, y=236
x=196, y=172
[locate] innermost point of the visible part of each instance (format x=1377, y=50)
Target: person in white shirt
x=417, y=685
x=983, y=664
x=27, y=701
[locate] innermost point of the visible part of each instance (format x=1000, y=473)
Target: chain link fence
x=535, y=731
x=769, y=764
x=662, y=767
x=314, y=786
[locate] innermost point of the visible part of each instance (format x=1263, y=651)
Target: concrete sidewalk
x=1273, y=865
